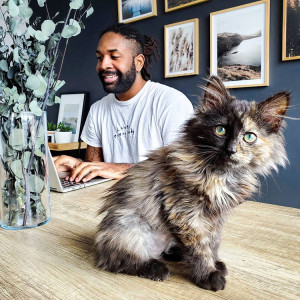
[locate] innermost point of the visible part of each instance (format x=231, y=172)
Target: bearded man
x=137, y=116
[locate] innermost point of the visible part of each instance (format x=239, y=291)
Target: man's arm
x=94, y=166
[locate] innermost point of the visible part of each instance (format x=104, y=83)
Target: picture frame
x=171, y=5
x=181, y=48
x=70, y=112
x=135, y=10
x=239, y=45
x=290, y=30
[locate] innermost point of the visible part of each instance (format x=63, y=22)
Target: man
x=137, y=115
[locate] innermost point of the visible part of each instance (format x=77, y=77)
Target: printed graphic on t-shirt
x=125, y=131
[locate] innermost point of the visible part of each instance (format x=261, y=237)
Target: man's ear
x=139, y=61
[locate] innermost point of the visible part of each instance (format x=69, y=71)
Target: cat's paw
x=154, y=270
x=220, y=266
x=215, y=282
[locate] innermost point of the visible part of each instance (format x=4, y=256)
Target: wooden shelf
x=66, y=146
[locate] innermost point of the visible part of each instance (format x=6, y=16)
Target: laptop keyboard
x=66, y=183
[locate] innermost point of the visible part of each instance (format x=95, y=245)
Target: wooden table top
x=260, y=246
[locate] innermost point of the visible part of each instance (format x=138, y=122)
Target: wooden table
x=67, y=146
x=56, y=261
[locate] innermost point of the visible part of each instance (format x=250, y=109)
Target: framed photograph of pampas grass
x=291, y=30
x=135, y=10
x=239, y=45
x=171, y=5
x=182, y=48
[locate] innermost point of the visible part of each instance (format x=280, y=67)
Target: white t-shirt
x=127, y=130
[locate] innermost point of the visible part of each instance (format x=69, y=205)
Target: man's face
x=115, y=67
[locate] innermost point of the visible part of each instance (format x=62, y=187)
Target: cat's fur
x=173, y=204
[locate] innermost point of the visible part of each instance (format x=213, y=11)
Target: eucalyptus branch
x=46, y=6
x=85, y=11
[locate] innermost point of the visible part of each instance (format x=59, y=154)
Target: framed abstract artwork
x=182, y=48
x=135, y=10
x=239, y=45
x=171, y=5
x=291, y=30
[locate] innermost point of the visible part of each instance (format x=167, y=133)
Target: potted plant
x=29, y=52
x=63, y=133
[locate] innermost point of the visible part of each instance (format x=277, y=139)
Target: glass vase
x=25, y=191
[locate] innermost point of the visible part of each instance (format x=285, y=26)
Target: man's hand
x=85, y=171
x=66, y=163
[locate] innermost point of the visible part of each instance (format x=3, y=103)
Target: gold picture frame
x=170, y=7
x=136, y=10
x=290, y=35
x=181, y=48
x=239, y=45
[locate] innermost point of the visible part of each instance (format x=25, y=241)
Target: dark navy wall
x=80, y=75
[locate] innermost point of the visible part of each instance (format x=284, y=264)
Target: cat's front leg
x=214, y=245
x=204, y=271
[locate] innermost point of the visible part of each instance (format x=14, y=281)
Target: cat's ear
x=215, y=93
x=273, y=109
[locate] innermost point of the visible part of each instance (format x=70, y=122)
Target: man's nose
x=105, y=63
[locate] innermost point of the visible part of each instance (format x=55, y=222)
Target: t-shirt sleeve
x=91, y=133
x=175, y=111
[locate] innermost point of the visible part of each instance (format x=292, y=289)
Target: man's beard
x=123, y=83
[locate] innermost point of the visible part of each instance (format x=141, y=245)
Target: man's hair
x=144, y=44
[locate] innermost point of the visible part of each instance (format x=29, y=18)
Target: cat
x=173, y=205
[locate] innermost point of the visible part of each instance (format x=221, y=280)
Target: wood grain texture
x=56, y=261
x=66, y=146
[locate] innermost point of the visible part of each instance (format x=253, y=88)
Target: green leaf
x=13, y=9
x=76, y=4
x=16, y=55
x=48, y=27
x=36, y=184
x=16, y=138
x=22, y=99
x=25, y=11
x=89, y=12
x=69, y=31
x=41, y=91
x=57, y=100
x=4, y=49
x=41, y=56
x=17, y=168
x=41, y=36
x=41, y=2
x=27, y=69
x=39, y=153
x=76, y=24
x=33, y=82
x=31, y=31
x=34, y=107
x=4, y=65
x=26, y=158
x=14, y=25
x=59, y=84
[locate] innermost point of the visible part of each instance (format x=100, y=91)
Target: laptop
x=59, y=184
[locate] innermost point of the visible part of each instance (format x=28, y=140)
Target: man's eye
x=99, y=58
x=115, y=57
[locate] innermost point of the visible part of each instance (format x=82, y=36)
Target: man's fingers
x=90, y=176
x=81, y=171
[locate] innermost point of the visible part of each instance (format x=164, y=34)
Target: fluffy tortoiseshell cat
x=173, y=204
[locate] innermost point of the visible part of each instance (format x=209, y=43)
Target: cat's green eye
x=220, y=130
x=250, y=137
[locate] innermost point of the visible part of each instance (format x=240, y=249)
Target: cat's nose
x=231, y=150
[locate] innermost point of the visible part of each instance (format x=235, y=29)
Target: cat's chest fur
x=227, y=190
